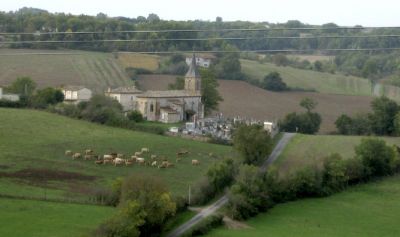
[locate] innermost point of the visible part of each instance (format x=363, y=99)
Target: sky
x=341, y=12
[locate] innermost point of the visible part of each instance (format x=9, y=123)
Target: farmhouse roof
x=169, y=94
x=193, y=72
x=73, y=88
x=124, y=90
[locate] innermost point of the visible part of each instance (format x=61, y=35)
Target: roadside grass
x=177, y=221
x=369, y=210
x=35, y=142
x=310, y=80
x=306, y=150
x=49, y=219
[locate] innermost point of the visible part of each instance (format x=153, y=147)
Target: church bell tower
x=192, y=78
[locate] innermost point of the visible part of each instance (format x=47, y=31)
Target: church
x=169, y=106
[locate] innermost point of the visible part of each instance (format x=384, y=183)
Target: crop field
x=97, y=71
x=310, y=80
x=369, y=210
x=146, y=61
x=305, y=150
x=243, y=99
x=33, y=164
x=49, y=219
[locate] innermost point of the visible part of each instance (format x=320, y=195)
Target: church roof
x=193, y=72
x=169, y=94
x=124, y=90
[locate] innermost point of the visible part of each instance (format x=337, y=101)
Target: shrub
x=203, y=191
x=11, y=104
x=377, y=158
x=355, y=170
x=273, y=82
x=135, y=116
x=334, y=177
x=305, y=183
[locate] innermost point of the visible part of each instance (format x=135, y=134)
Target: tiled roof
x=169, y=94
x=124, y=90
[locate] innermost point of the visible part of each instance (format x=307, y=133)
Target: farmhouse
x=76, y=94
x=165, y=106
x=11, y=97
x=126, y=96
x=202, y=61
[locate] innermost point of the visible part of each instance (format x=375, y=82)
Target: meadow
x=304, y=150
x=368, y=210
x=33, y=164
x=95, y=70
x=48, y=219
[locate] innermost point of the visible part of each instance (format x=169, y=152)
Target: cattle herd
x=118, y=159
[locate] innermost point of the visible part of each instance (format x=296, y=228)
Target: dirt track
x=243, y=99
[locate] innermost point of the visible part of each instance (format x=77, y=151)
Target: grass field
x=149, y=62
x=311, y=58
x=369, y=210
x=310, y=80
x=260, y=104
x=97, y=71
x=309, y=149
x=32, y=161
x=49, y=219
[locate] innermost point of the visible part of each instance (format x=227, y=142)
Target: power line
x=203, y=30
x=200, y=39
x=215, y=51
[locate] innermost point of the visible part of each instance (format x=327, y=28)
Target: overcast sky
x=342, y=12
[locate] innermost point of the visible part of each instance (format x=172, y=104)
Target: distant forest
x=367, y=64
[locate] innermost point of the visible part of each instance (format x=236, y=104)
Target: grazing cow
x=140, y=161
x=68, y=153
x=181, y=153
x=76, y=156
x=128, y=162
x=145, y=150
x=108, y=157
x=195, y=162
x=138, y=153
x=118, y=161
x=88, y=151
x=87, y=157
x=154, y=163
x=98, y=162
x=108, y=161
x=153, y=157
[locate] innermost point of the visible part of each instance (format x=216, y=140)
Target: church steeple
x=192, y=78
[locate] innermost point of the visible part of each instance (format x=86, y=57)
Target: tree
x=308, y=103
x=178, y=85
x=334, y=177
x=252, y=142
x=23, y=86
x=397, y=124
x=249, y=194
x=344, y=124
x=135, y=116
x=209, y=92
x=101, y=109
x=47, y=96
x=221, y=174
x=318, y=66
x=154, y=199
x=383, y=116
x=273, y=82
x=376, y=156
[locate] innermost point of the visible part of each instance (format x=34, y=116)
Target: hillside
x=309, y=149
x=33, y=143
x=96, y=71
x=366, y=210
x=243, y=99
x=310, y=80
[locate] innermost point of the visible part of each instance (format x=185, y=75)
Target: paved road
x=224, y=199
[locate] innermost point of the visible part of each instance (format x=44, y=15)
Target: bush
x=305, y=183
x=135, y=116
x=11, y=104
x=355, y=170
x=205, y=225
x=334, y=175
x=273, y=82
x=377, y=158
x=203, y=191
x=307, y=123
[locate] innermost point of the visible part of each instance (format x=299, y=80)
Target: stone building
x=166, y=106
x=76, y=94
